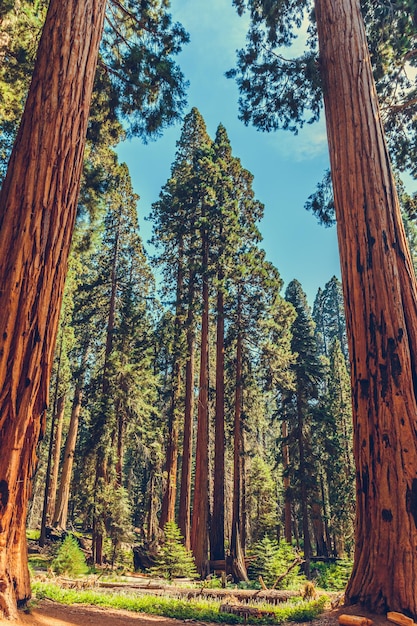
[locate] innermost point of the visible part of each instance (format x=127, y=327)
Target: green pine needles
x=173, y=559
x=70, y=559
x=272, y=560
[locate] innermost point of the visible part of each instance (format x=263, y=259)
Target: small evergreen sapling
x=70, y=558
x=173, y=559
x=273, y=559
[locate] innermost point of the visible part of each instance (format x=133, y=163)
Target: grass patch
x=201, y=610
x=33, y=534
x=333, y=576
x=39, y=561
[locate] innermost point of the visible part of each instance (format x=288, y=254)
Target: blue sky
x=286, y=167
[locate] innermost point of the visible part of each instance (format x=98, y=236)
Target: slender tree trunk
x=46, y=491
x=303, y=478
x=184, y=515
x=61, y=508
x=56, y=454
x=381, y=311
x=325, y=503
x=37, y=210
x=101, y=478
x=200, y=522
x=217, y=526
x=52, y=446
x=120, y=452
x=171, y=466
x=151, y=513
x=243, y=491
x=318, y=528
x=239, y=567
x=287, y=493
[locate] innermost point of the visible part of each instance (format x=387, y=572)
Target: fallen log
x=400, y=619
x=245, y=611
x=242, y=595
x=354, y=620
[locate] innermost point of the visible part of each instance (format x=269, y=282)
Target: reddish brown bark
x=239, y=567
x=200, y=521
x=37, y=211
x=184, y=513
x=53, y=462
x=301, y=409
x=381, y=310
x=319, y=529
x=171, y=465
x=56, y=454
x=217, y=526
x=102, y=452
x=120, y=446
x=61, y=508
x=287, y=494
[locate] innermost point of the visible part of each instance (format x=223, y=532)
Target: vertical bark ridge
x=381, y=310
x=37, y=212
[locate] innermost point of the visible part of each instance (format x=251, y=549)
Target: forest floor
x=48, y=613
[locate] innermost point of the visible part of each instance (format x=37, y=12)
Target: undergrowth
x=332, y=576
x=201, y=610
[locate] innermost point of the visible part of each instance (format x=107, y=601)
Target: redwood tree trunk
x=217, y=526
x=60, y=410
x=37, y=211
x=61, y=508
x=200, y=522
x=184, y=515
x=287, y=485
x=381, y=311
x=103, y=447
x=171, y=466
x=239, y=568
x=303, y=479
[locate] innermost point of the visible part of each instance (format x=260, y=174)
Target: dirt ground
x=48, y=613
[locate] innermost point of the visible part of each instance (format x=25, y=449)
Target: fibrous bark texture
x=200, y=521
x=380, y=299
x=37, y=211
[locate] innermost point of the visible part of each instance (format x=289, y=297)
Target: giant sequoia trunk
x=61, y=507
x=184, y=512
x=236, y=552
x=287, y=485
x=301, y=442
x=217, y=526
x=169, y=497
x=37, y=211
x=381, y=310
x=52, y=469
x=56, y=457
x=200, y=522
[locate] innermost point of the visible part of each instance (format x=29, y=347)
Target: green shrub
x=70, y=559
x=202, y=611
x=272, y=559
x=173, y=560
x=332, y=576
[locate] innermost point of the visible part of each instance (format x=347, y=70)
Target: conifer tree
x=299, y=405
x=176, y=218
x=173, y=559
x=377, y=273
x=329, y=316
x=340, y=464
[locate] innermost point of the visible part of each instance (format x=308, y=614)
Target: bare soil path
x=48, y=613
